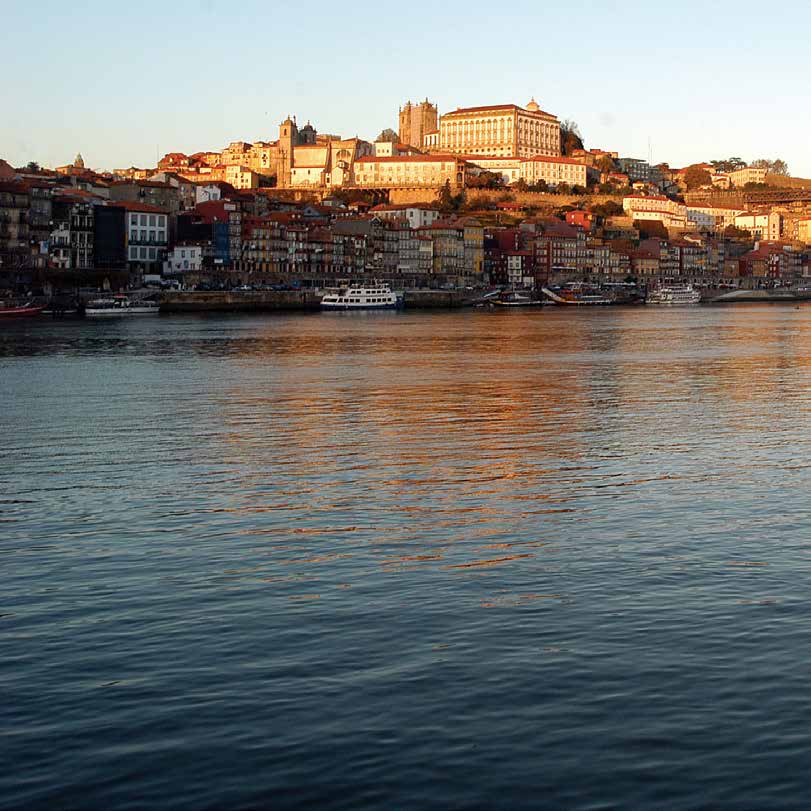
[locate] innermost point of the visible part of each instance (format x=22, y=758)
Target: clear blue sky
x=119, y=81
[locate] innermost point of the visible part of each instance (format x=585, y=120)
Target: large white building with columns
x=498, y=130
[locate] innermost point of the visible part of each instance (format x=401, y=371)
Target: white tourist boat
x=674, y=294
x=117, y=306
x=356, y=297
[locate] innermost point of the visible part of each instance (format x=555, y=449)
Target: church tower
x=288, y=138
x=416, y=120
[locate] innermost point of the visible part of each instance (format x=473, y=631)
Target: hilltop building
x=498, y=130
x=299, y=158
x=416, y=121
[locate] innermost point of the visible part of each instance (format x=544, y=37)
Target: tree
x=773, y=167
x=390, y=135
x=520, y=185
x=733, y=232
x=485, y=180
x=607, y=209
x=695, y=177
x=728, y=165
x=445, y=197
x=606, y=165
x=570, y=137
x=33, y=166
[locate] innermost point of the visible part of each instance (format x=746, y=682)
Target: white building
x=761, y=225
x=415, y=216
x=206, y=192
x=184, y=258
x=656, y=208
x=147, y=236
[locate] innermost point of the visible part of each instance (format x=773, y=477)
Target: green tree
x=445, y=197
x=773, y=167
x=33, y=166
x=570, y=137
x=695, y=177
x=733, y=232
x=390, y=135
x=606, y=165
x=728, y=165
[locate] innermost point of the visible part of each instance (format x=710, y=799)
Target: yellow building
x=804, y=230
x=500, y=130
x=553, y=171
x=409, y=171
x=749, y=174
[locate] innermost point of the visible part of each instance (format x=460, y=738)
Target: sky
x=126, y=82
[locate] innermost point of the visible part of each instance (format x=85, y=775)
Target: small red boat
x=19, y=311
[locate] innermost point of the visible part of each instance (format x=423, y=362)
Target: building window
x=143, y=219
x=152, y=220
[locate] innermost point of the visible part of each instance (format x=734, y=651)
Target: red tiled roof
x=551, y=159
x=129, y=205
x=409, y=159
x=501, y=107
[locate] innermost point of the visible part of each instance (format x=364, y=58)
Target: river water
x=466, y=560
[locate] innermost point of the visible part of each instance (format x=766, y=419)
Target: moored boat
x=674, y=295
x=576, y=295
x=358, y=297
x=513, y=298
x=120, y=305
x=13, y=310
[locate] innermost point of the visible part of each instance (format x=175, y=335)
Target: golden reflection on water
x=482, y=427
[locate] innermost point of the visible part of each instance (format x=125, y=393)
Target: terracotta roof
x=499, y=107
x=648, y=197
x=129, y=205
x=551, y=159
x=409, y=159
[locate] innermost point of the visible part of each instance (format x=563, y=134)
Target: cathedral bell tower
x=288, y=138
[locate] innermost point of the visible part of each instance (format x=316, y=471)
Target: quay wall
x=245, y=301
x=241, y=301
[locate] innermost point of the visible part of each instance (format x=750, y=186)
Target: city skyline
x=635, y=80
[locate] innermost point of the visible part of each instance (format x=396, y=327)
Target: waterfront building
x=148, y=192
x=500, y=130
x=109, y=238
x=185, y=257
x=72, y=235
x=14, y=244
x=147, y=237
x=416, y=121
